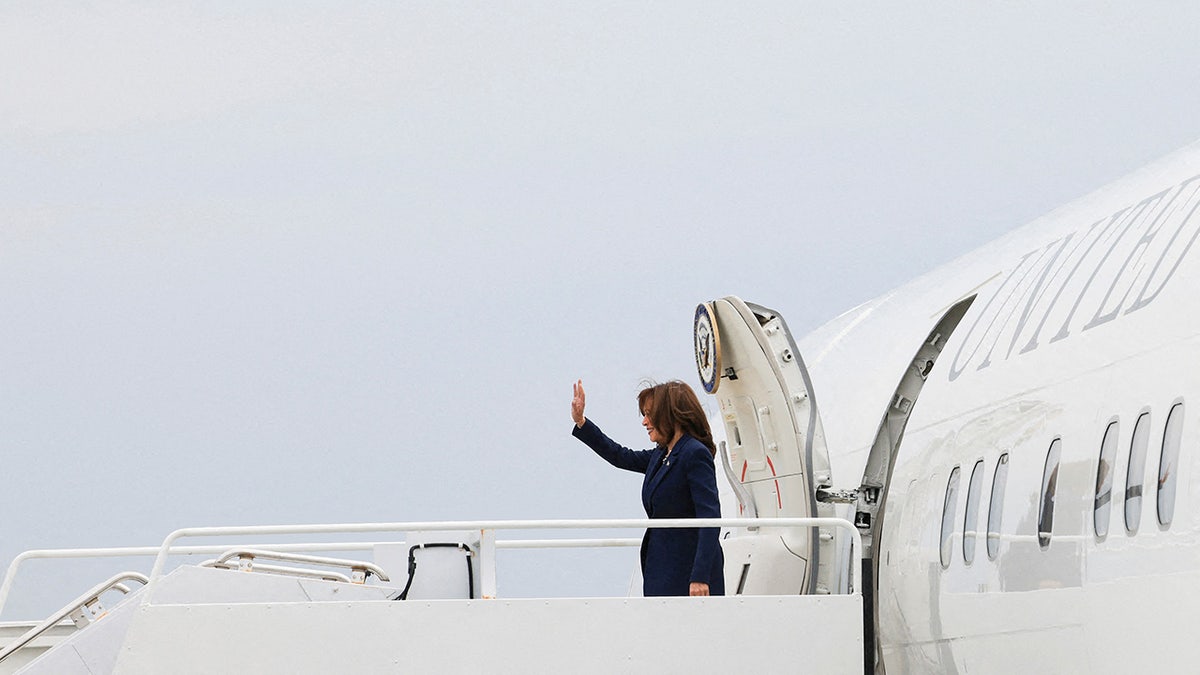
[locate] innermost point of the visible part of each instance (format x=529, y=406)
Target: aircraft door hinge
x=830, y=496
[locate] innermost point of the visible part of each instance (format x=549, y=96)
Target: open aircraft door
x=776, y=458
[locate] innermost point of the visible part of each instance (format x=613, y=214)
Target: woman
x=680, y=482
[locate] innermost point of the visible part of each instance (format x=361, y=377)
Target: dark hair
x=673, y=407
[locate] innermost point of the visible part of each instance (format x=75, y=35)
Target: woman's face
x=656, y=437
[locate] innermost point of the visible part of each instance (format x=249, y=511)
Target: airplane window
x=971, y=522
x=996, y=506
x=1049, y=487
x=1102, y=510
x=1136, y=473
x=1168, y=462
x=948, y=515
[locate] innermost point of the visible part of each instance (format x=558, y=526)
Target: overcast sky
x=329, y=262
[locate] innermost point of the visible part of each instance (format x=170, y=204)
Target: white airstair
x=277, y=609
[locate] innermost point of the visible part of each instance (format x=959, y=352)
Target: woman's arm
x=617, y=455
x=612, y=452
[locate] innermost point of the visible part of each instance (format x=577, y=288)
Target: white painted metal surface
x=776, y=445
x=11, y=630
x=1083, y=318
x=601, y=635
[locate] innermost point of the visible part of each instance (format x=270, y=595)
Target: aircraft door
x=749, y=362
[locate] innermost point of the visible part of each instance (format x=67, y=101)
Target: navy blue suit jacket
x=684, y=486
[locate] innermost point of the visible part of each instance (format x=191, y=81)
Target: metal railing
x=78, y=610
x=17, y=563
x=10, y=574
x=489, y=528
x=246, y=559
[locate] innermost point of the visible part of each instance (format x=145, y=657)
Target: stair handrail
x=359, y=569
x=280, y=570
x=91, y=596
x=745, y=497
x=10, y=574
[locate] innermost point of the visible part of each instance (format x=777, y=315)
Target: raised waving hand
x=577, y=404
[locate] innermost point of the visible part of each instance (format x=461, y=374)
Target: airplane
x=984, y=470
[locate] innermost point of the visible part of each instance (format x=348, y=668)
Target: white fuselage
x=1083, y=325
